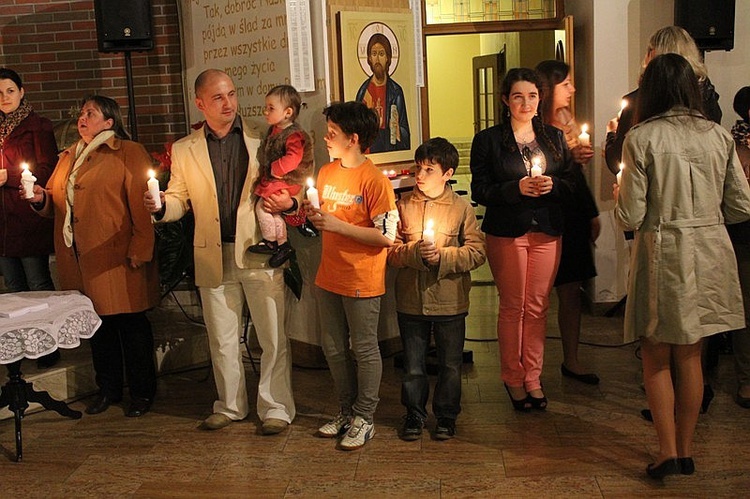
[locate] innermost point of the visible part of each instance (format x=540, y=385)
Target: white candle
x=312, y=194
x=153, y=188
x=27, y=180
x=428, y=235
x=623, y=105
x=584, y=138
x=536, y=170
x=619, y=174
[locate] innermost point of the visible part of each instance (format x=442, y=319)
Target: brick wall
x=52, y=45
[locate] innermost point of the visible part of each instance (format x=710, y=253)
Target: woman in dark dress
x=582, y=225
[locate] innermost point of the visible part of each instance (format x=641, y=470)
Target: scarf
x=81, y=152
x=10, y=121
x=741, y=132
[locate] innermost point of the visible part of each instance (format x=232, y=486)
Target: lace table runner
x=69, y=318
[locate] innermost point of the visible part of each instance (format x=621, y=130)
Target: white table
x=69, y=317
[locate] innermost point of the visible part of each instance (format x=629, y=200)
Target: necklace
x=524, y=138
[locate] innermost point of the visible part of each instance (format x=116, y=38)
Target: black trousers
x=125, y=337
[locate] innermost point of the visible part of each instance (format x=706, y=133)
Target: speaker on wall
x=709, y=22
x=123, y=25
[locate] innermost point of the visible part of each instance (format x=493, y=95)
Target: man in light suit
x=223, y=153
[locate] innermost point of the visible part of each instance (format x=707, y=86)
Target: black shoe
x=687, y=466
x=743, y=402
x=264, y=247
x=666, y=467
x=445, y=429
x=138, y=407
x=523, y=405
x=412, y=428
x=708, y=396
x=101, y=403
x=308, y=230
x=539, y=404
x=283, y=253
x=588, y=378
x=48, y=360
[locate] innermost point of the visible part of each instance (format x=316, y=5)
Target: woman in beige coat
x=682, y=181
x=104, y=242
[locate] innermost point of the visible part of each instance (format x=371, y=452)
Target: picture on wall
x=377, y=68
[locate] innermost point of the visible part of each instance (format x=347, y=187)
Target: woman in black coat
x=521, y=172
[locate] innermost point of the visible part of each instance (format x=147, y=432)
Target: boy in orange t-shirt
x=358, y=219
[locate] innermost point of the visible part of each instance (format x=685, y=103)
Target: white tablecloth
x=69, y=318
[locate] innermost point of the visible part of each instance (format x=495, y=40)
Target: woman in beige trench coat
x=104, y=242
x=681, y=182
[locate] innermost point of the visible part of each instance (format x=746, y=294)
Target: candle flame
x=535, y=161
x=584, y=128
x=385, y=172
x=310, y=183
x=429, y=224
x=151, y=173
x=622, y=166
x=623, y=104
x=25, y=166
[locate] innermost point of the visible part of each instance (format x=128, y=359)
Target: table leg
x=16, y=395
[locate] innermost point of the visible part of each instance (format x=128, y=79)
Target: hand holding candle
x=584, y=138
x=153, y=188
x=312, y=194
x=619, y=174
x=536, y=169
x=428, y=235
x=27, y=180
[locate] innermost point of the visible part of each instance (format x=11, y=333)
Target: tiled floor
x=591, y=442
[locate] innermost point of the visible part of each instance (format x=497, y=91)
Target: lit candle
x=27, y=180
x=385, y=172
x=153, y=188
x=619, y=174
x=623, y=105
x=312, y=194
x=428, y=235
x=536, y=170
x=584, y=138
x=392, y=173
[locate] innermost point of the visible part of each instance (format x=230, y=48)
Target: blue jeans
x=351, y=321
x=449, y=341
x=29, y=273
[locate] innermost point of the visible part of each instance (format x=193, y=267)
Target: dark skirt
x=577, y=258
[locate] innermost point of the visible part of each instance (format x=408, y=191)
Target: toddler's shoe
x=265, y=247
x=282, y=254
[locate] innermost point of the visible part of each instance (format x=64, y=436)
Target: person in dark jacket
x=670, y=39
x=25, y=238
x=521, y=170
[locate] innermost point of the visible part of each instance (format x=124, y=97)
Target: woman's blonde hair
x=675, y=40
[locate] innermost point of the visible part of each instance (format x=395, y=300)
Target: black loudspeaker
x=709, y=22
x=123, y=25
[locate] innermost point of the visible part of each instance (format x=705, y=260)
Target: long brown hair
x=668, y=81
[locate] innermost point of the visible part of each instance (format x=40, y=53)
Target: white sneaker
x=358, y=435
x=337, y=426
